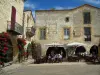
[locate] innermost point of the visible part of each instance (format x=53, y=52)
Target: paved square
x=57, y=69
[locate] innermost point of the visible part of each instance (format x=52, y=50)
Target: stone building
x=11, y=20
x=28, y=25
x=81, y=24
x=28, y=29
x=6, y=8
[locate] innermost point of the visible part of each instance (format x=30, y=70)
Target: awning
x=76, y=44
x=54, y=45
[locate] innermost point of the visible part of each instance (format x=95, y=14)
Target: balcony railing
x=30, y=31
x=18, y=29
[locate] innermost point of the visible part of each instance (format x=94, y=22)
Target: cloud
x=30, y=5
x=70, y=7
x=93, y=1
x=60, y=8
x=42, y=9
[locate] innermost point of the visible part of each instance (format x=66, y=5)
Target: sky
x=57, y=4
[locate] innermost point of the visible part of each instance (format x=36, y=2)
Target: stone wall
x=54, y=22
x=5, y=16
x=5, y=12
x=28, y=22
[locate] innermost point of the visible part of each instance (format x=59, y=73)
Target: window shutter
x=13, y=18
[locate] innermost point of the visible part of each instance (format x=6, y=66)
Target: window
x=87, y=18
x=87, y=33
x=67, y=19
x=42, y=33
x=66, y=34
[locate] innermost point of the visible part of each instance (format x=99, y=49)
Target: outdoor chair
x=88, y=58
x=73, y=58
x=91, y=58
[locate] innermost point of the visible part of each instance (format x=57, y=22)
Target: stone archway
x=56, y=50
x=94, y=50
x=80, y=49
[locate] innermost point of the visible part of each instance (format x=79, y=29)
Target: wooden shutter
x=13, y=18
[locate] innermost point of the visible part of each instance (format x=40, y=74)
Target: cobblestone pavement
x=2, y=72
x=10, y=68
x=57, y=69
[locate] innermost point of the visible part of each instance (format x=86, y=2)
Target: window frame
x=87, y=34
x=87, y=17
x=43, y=32
x=68, y=29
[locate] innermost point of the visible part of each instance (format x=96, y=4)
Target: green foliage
x=36, y=50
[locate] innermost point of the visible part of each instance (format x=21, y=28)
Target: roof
x=71, y=9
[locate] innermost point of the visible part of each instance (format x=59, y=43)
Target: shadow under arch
x=80, y=49
x=56, y=50
x=94, y=50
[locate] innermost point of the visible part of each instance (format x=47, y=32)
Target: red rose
x=5, y=44
x=4, y=51
x=3, y=39
x=19, y=46
x=0, y=35
x=1, y=63
x=25, y=53
x=0, y=56
x=24, y=43
x=5, y=48
x=6, y=34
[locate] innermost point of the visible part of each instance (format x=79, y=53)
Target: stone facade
x=5, y=12
x=54, y=22
x=28, y=23
x=5, y=19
